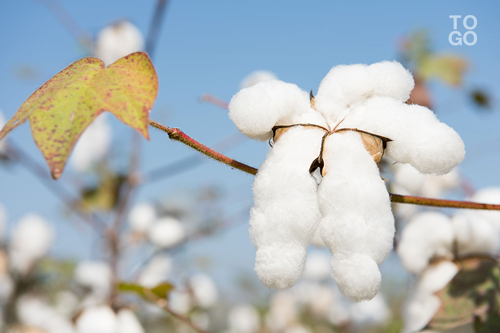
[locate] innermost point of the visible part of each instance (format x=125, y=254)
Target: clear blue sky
x=209, y=46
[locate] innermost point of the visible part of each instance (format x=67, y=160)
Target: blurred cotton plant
x=118, y=40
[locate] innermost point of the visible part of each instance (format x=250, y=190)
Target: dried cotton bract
x=358, y=113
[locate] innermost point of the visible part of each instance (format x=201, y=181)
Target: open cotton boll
x=93, y=145
x=141, y=217
x=127, y=322
x=256, y=110
x=418, y=137
x=257, y=77
x=243, y=318
x=434, y=186
x=317, y=266
x=428, y=235
x=156, y=271
x=180, y=301
x=118, y=40
x=475, y=236
x=392, y=80
x=34, y=312
x=98, y=319
x=66, y=303
x=166, y=232
x=409, y=178
x=370, y=313
x=359, y=236
x=316, y=240
x=30, y=241
x=402, y=211
x=285, y=214
x=282, y=311
x=95, y=275
x=204, y=290
x=422, y=304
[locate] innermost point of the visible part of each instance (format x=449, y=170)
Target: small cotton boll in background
x=204, y=290
x=141, y=217
x=166, y=232
x=66, y=303
x=402, y=211
x=201, y=319
x=34, y=312
x=93, y=145
x=98, y=319
x=118, y=40
x=180, y=301
x=156, y=271
x=408, y=178
x=317, y=266
x=127, y=322
x=243, y=318
x=31, y=239
x=257, y=77
x=489, y=195
x=370, y=313
x=428, y=235
x=282, y=311
x=422, y=303
x=475, y=236
x=94, y=274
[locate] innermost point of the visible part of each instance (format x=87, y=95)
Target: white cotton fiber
x=94, y=274
x=243, y=318
x=166, y=232
x=30, y=241
x=357, y=225
x=98, y=319
x=409, y=178
x=391, y=80
x=475, y=236
x=156, y=271
x=204, y=290
x=127, y=322
x=422, y=304
x=428, y=235
x=180, y=301
x=257, y=77
x=118, y=40
x=418, y=138
x=489, y=195
x=256, y=110
x=141, y=217
x=285, y=214
x=93, y=145
x=35, y=312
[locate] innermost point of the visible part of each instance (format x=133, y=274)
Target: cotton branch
x=178, y=135
x=164, y=305
x=215, y=101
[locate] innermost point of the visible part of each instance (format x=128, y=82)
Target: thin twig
x=66, y=198
x=215, y=101
x=154, y=28
x=162, y=303
x=178, y=135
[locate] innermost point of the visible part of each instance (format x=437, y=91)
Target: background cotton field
x=151, y=236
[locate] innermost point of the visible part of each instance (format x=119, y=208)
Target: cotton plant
x=118, y=40
x=102, y=319
x=243, y=318
x=358, y=114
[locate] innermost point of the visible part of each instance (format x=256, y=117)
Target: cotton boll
x=243, y=318
x=34, y=312
x=99, y=319
x=204, y=290
x=156, y=271
x=316, y=240
x=282, y=311
x=142, y=217
x=66, y=303
x=418, y=138
x=285, y=214
x=489, y=195
x=257, y=77
x=475, y=237
x=392, y=80
x=428, y=235
x=370, y=313
x=30, y=241
x=409, y=178
x=357, y=225
x=422, y=304
x=317, y=266
x=180, y=301
x=166, y=232
x=342, y=89
x=402, y=211
x=95, y=275
x=434, y=186
x=87, y=152
x=118, y=40
x=256, y=110
x=127, y=322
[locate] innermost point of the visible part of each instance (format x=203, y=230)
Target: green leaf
x=448, y=68
x=61, y=109
x=473, y=296
x=162, y=290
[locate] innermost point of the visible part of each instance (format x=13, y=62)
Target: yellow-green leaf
x=448, y=68
x=161, y=291
x=61, y=109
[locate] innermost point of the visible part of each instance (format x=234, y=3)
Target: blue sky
x=208, y=47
